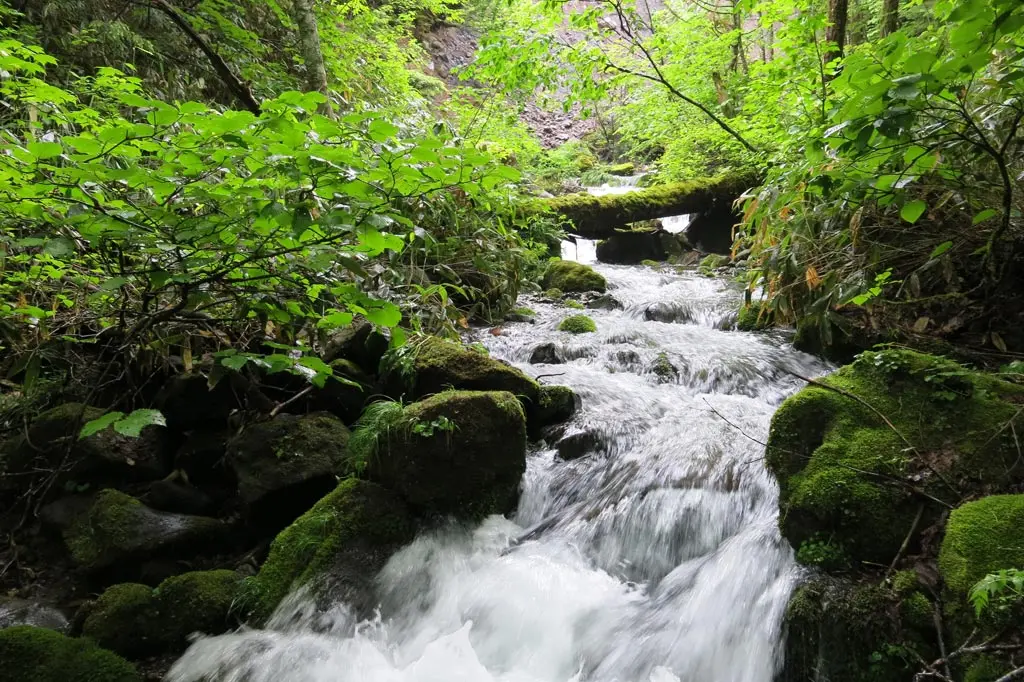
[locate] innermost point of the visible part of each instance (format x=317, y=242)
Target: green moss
x=435, y=365
x=122, y=620
x=576, y=305
x=577, y=324
x=356, y=515
x=557, y=404
x=848, y=632
x=712, y=262
x=663, y=368
x=917, y=610
x=904, y=582
x=569, y=276
x=823, y=553
x=554, y=293
x=986, y=669
x=753, y=317
x=651, y=263
x=134, y=620
x=525, y=312
x=627, y=168
x=839, y=465
x=982, y=537
x=463, y=455
x=29, y=654
x=117, y=527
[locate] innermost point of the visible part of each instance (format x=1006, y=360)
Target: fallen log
x=596, y=217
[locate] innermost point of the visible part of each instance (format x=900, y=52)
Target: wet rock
x=135, y=620
x=546, y=354
x=557, y=404
x=360, y=343
x=343, y=541
x=61, y=514
x=283, y=466
x=436, y=365
x=459, y=453
x=627, y=357
x=180, y=497
x=664, y=369
x=576, y=445
x=16, y=612
x=29, y=654
x=668, y=312
x=119, y=529
x=106, y=456
x=631, y=248
x=572, y=277
x=604, y=302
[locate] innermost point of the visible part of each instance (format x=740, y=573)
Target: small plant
x=577, y=324
x=130, y=425
x=575, y=305
x=379, y=422
x=1001, y=590
x=426, y=429
x=822, y=553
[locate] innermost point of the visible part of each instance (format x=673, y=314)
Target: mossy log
x=596, y=217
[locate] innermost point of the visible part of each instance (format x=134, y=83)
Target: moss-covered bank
x=29, y=654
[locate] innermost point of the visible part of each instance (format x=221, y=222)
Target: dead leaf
x=921, y=324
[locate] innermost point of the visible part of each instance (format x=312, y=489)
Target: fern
x=1006, y=585
x=379, y=420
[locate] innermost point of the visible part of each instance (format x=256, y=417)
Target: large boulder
x=571, y=277
x=712, y=231
x=135, y=620
x=117, y=530
x=632, y=248
x=359, y=343
x=29, y=654
x=15, y=612
x=557, y=404
x=283, y=466
x=336, y=548
x=460, y=452
x=894, y=434
x=435, y=365
x=982, y=537
x=103, y=457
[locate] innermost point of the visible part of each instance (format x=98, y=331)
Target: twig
x=937, y=619
x=1012, y=675
x=906, y=540
x=280, y=406
x=742, y=432
x=544, y=376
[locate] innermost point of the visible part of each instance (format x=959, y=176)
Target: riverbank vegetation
x=229, y=229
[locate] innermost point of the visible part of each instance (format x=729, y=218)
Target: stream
x=653, y=556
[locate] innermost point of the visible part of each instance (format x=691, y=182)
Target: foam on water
x=655, y=556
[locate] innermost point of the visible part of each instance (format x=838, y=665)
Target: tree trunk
x=309, y=47
x=890, y=16
x=836, y=31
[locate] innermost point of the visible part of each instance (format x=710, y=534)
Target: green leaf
x=941, y=249
x=913, y=210
x=45, y=150
x=98, y=424
x=385, y=315
x=984, y=215
x=235, y=362
x=133, y=424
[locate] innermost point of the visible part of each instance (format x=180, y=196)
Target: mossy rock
x=571, y=277
x=121, y=620
x=346, y=537
x=29, y=654
x=459, y=453
x=627, y=168
x=712, y=262
x=119, y=530
x=283, y=466
x=840, y=466
x=102, y=458
x=434, y=365
x=557, y=404
x=982, y=537
x=578, y=324
x=554, y=293
x=753, y=317
x=842, y=631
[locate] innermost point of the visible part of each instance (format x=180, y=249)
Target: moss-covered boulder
x=337, y=546
x=569, y=276
x=283, y=466
x=627, y=168
x=103, y=457
x=578, y=324
x=117, y=529
x=433, y=365
x=29, y=654
x=557, y=404
x=459, y=452
x=982, y=537
x=842, y=631
x=845, y=474
x=135, y=620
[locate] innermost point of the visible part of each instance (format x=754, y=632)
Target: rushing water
x=655, y=556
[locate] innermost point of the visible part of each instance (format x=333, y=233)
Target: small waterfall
x=654, y=556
